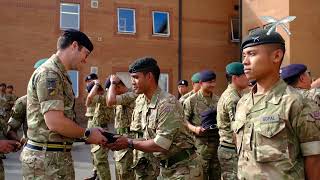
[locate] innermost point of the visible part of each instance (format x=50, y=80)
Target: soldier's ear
x=277, y=56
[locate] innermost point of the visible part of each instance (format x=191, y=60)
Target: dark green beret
x=260, y=37
x=195, y=77
x=80, y=37
x=145, y=64
x=235, y=68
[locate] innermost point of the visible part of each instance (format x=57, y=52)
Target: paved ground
x=82, y=162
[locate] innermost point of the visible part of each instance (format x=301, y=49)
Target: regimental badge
x=51, y=86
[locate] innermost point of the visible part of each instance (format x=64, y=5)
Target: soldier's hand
x=114, y=78
x=7, y=146
x=199, y=130
x=96, y=137
x=121, y=143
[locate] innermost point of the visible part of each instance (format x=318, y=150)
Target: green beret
x=39, y=63
x=235, y=68
x=195, y=77
x=260, y=37
x=145, y=64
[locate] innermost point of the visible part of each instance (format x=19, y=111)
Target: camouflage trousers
x=189, y=169
x=124, y=162
x=1, y=170
x=228, y=159
x=100, y=161
x=45, y=165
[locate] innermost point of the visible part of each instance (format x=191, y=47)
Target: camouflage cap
x=145, y=64
x=260, y=37
x=195, y=77
x=235, y=68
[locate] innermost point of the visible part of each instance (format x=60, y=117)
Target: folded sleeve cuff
x=163, y=142
x=55, y=105
x=310, y=148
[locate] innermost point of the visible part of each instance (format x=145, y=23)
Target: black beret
x=145, y=64
x=183, y=82
x=260, y=37
x=208, y=119
x=292, y=70
x=107, y=84
x=91, y=76
x=80, y=37
x=3, y=84
x=207, y=75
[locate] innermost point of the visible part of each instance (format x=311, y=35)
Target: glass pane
x=235, y=26
x=126, y=20
x=73, y=8
x=69, y=21
x=160, y=21
x=164, y=82
x=74, y=79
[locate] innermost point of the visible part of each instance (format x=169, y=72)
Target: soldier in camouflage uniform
x=206, y=143
x=195, y=87
x=277, y=129
x=164, y=132
x=101, y=117
x=124, y=99
x=3, y=106
x=299, y=77
x=11, y=98
x=51, y=115
x=226, y=111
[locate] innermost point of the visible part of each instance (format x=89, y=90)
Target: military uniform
x=102, y=115
x=206, y=145
x=124, y=158
x=274, y=132
x=184, y=97
x=314, y=94
x=11, y=98
x=19, y=116
x=162, y=121
x=226, y=111
x=49, y=89
x=3, y=128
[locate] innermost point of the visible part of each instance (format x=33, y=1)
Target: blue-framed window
x=69, y=16
x=74, y=76
x=126, y=21
x=161, y=24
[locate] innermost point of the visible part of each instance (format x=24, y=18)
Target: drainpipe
x=240, y=27
x=180, y=42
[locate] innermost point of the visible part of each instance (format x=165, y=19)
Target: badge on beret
x=51, y=86
x=282, y=23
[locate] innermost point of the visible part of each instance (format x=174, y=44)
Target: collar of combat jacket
x=154, y=99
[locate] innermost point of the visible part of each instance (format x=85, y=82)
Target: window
x=69, y=16
x=94, y=69
x=126, y=20
x=161, y=25
x=235, y=33
x=164, y=81
x=74, y=76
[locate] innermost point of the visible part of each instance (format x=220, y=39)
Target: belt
x=123, y=130
x=50, y=146
x=185, y=154
x=227, y=145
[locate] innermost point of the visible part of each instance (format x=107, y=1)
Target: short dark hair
x=229, y=78
x=293, y=80
x=9, y=87
x=3, y=84
x=274, y=47
x=66, y=41
x=146, y=65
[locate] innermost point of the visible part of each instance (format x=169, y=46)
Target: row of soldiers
x=270, y=132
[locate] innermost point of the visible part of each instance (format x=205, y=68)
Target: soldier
x=101, y=117
x=195, y=87
x=89, y=114
x=226, y=111
x=11, y=98
x=299, y=77
x=124, y=99
x=51, y=115
x=277, y=130
x=206, y=143
x=182, y=88
x=162, y=122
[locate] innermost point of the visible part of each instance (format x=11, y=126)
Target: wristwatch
x=130, y=144
x=87, y=133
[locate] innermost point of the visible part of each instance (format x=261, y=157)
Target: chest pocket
x=151, y=123
x=270, y=139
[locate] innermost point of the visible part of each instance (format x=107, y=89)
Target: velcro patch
x=269, y=119
x=51, y=86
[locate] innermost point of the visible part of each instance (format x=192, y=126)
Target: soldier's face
x=208, y=86
x=139, y=82
x=80, y=55
x=259, y=62
x=9, y=90
x=196, y=87
x=2, y=88
x=182, y=89
x=241, y=81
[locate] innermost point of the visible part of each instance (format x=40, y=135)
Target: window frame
x=76, y=92
x=233, y=39
x=134, y=21
x=153, y=25
x=61, y=12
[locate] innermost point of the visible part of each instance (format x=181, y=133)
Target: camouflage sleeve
x=18, y=115
x=307, y=126
x=187, y=109
x=126, y=99
x=169, y=121
x=49, y=89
